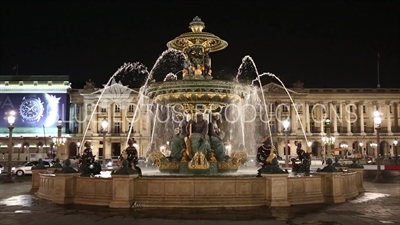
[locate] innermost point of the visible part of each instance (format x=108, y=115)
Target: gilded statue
x=198, y=63
x=199, y=161
x=265, y=155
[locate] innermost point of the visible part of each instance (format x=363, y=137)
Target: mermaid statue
x=265, y=156
x=198, y=135
x=217, y=136
x=177, y=143
x=303, y=162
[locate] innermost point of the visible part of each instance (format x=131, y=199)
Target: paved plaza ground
x=379, y=205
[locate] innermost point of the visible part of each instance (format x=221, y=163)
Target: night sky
x=321, y=43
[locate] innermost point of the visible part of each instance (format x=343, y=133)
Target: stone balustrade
x=275, y=190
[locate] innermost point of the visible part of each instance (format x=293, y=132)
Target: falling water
x=170, y=77
x=258, y=79
x=172, y=56
x=244, y=63
x=126, y=67
x=159, y=62
x=154, y=125
x=242, y=124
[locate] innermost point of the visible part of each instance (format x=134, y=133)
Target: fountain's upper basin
x=197, y=94
x=215, y=43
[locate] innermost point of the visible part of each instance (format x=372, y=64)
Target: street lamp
x=328, y=139
x=361, y=150
x=344, y=146
x=10, y=120
x=395, y=149
x=78, y=145
x=377, y=121
x=104, y=126
x=286, y=124
x=59, y=141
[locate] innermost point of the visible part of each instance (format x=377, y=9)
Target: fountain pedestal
x=36, y=179
x=122, y=191
x=359, y=178
x=276, y=190
x=332, y=187
x=64, y=188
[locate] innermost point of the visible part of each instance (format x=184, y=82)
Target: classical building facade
x=118, y=108
x=350, y=112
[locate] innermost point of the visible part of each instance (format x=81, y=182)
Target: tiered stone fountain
x=197, y=92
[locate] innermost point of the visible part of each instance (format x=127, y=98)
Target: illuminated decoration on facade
x=39, y=101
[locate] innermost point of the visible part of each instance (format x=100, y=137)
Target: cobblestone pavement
x=379, y=205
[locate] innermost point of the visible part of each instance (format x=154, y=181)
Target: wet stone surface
x=379, y=205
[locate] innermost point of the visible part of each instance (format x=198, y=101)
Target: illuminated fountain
x=198, y=94
x=179, y=102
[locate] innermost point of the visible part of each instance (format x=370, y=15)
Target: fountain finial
x=197, y=25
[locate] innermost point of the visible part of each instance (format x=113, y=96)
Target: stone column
x=361, y=115
x=348, y=119
x=388, y=119
x=304, y=118
x=333, y=114
x=107, y=144
x=294, y=120
x=82, y=118
x=124, y=121
x=110, y=112
x=322, y=122
x=279, y=120
x=71, y=118
x=375, y=106
x=276, y=190
x=86, y=117
x=307, y=114
x=95, y=120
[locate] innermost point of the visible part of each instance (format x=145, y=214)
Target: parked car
x=26, y=167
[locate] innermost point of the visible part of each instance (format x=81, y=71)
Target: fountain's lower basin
x=120, y=191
